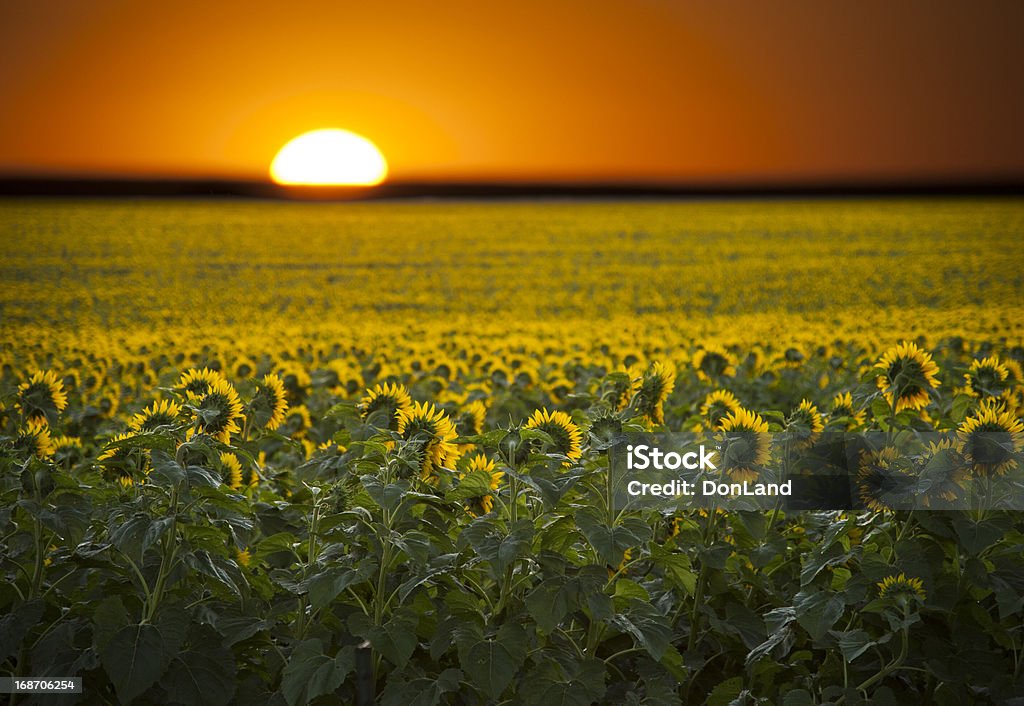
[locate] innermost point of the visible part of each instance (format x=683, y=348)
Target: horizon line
x=112, y=187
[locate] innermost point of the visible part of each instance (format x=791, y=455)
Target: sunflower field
x=259, y=452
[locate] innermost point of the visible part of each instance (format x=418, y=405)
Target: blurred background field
x=90, y=271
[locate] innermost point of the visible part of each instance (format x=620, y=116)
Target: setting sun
x=329, y=158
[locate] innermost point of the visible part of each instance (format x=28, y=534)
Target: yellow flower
x=805, y=423
x=990, y=439
x=712, y=362
x=483, y=504
x=908, y=373
x=746, y=445
x=218, y=411
x=655, y=387
x=424, y=419
x=269, y=403
x=36, y=439
x=987, y=378
x=231, y=470
x=717, y=406
x=197, y=382
x=243, y=557
x=384, y=404
x=901, y=587
x=122, y=464
x=842, y=406
x=883, y=479
x=42, y=396
x=163, y=413
x=559, y=426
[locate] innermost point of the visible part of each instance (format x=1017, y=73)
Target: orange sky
x=552, y=89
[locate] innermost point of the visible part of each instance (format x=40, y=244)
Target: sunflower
x=470, y=419
x=805, y=424
x=296, y=382
x=163, y=413
x=986, y=378
x=384, y=404
x=269, y=403
x=842, y=406
x=566, y=436
x=42, y=397
x=297, y=422
x=35, y=438
x=624, y=386
x=901, y=587
x=424, y=419
x=67, y=449
x=883, y=479
x=908, y=372
x=991, y=439
x=218, y=411
x=717, y=406
x=655, y=388
x=485, y=503
x=231, y=470
x=711, y=363
x=243, y=557
x=122, y=464
x=197, y=382
x=745, y=444
x=943, y=471
x=243, y=368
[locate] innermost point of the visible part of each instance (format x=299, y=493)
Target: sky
x=552, y=90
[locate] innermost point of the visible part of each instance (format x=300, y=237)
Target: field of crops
x=263, y=452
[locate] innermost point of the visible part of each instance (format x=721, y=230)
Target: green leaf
x=798, y=697
x=491, y=664
x=726, y=692
x=818, y=611
x=325, y=586
x=134, y=659
x=204, y=677
x=854, y=643
x=677, y=568
x=15, y=626
x=310, y=673
x=473, y=485
x=648, y=626
x=423, y=691
x=396, y=639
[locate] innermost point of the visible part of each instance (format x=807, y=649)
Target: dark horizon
x=106, y=187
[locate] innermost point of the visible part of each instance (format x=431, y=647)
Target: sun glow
x=329, y=158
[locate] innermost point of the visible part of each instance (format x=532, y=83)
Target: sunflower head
x=383, y=404
x=269, y=403
x=906, y=373
x=483, y=504
x=67, y=449
x=34, y=439
x=902, y=588
x=943, y=472
x=162, y=413
x=426, y=422
x=470, y=419
x=655, y=387
x=843, y=406
x=717, y=406
x=243, y=557
x=987, y=378
x=622, y=386
x=218, y=411
x=565, y=435
x=884, y=480
x=195, y=383
x=230, y=470
x=123, y=464
x=42, y=397
x=745, y=444
x=805, y=424
x=992, y=439
x=713, y=363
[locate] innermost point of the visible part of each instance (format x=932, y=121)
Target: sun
x=329, y=157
